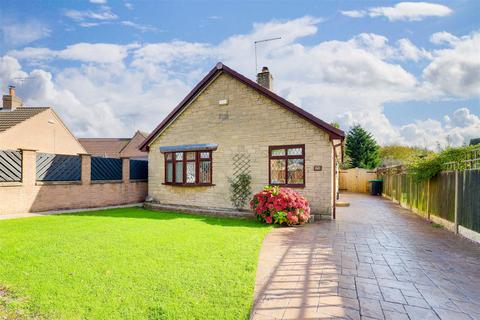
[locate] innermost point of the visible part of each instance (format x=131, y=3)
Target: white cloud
x=134, y=86
x=98, y=1
x=443, y=38
x=10, y=72
x=99, y=52
x=20, y=33
x=354, y=13
x=91, y=24
x=378, y=45
x=89, y=18
x=452, y=131
x=455, y=70
x=408, y=51
x=128, y=5
x=83, y=52
x=410, y=11
x=140, y=27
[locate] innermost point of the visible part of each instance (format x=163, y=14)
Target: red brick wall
x=32, y=196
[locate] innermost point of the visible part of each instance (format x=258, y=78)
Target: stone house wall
x=248, y=124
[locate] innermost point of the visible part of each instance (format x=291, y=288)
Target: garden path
x=376, y=261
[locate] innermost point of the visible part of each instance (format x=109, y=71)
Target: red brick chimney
x=11, y=101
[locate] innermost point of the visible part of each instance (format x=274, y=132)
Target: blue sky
x=407, y=71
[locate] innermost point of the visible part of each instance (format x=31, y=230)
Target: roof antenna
x=20, y=81
x=255, y=45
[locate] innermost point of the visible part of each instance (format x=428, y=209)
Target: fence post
x=29, y=167
x=125, y=170
x=409, y=196
x=86, y=168
x=428, y=199
x=456, y=201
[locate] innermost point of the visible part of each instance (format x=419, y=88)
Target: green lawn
x=128, y=264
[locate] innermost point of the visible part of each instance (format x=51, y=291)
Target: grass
x=129, y=264
x=437, y=225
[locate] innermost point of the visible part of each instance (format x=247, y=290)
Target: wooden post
x=456, y=201
x=428, y=199
x=409, y=196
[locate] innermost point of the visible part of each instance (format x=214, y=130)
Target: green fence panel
x=469, y=199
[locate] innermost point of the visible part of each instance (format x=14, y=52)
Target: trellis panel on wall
x=10, y=166
x=138, y=169
x=58, y=167
x=241, y=165
x=106, y=169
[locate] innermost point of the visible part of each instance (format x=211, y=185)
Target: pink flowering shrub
x=281, y=206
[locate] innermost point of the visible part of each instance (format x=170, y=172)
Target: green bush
x=429, y=166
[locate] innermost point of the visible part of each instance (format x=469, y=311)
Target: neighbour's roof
x=113, y=147
x=220, y=67
x=9, y=118
x=104, y=147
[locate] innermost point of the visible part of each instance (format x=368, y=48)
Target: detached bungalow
x=228, y=125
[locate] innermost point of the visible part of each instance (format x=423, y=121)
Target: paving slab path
x=376, y=261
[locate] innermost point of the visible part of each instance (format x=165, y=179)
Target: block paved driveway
x=376, y=261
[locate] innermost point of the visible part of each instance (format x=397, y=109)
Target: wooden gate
x=356, y=179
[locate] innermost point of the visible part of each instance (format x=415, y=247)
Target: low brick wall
x=203, y=211
x=30, y=195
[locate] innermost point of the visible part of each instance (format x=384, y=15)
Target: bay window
x=188, y=167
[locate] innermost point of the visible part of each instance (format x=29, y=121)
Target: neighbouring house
x=229, y=124
x=116, y=147
x=34, y=128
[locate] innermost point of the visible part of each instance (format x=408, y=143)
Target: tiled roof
x=105, y=147
x=9, y=118
x=220, y=67
x=132, y=149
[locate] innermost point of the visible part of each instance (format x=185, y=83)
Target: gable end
x=333, y=132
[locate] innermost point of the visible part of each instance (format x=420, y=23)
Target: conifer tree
x=362, y=149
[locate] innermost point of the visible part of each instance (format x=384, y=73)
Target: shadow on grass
x=141, y=213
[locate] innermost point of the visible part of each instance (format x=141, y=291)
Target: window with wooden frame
x=188, y=168
x=287, y=165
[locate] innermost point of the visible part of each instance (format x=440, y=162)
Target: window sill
x=189, y=184
x=299, y=186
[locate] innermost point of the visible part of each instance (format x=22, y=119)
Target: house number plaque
x=317, y=168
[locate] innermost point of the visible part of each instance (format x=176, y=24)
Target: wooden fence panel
x=422, y=193
x=138, y=169
x=436, y=197
x=469, y=199
x=395, y=187
x=442, y=195
x=57, y=167
x=356, y=179
x=404, y=189
x=10, y=166
x=106, y=169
